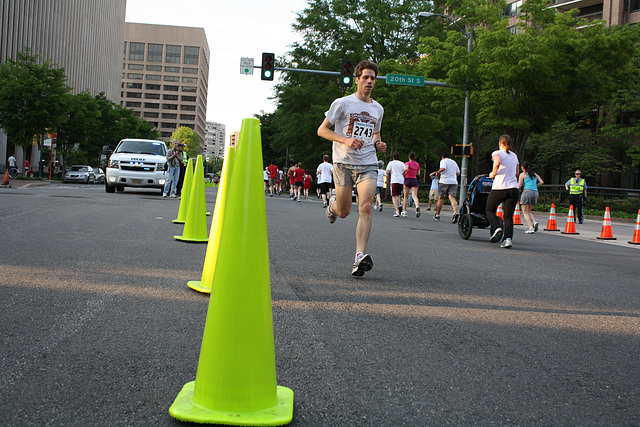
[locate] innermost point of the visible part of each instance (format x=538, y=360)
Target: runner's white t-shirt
x=450, y=173
x=506, y=175
x=396, y=167
x=354, y=118
x=325, y=169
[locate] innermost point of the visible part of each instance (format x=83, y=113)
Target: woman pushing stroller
x=504, y=190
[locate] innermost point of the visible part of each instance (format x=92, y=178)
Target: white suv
x=136, y=163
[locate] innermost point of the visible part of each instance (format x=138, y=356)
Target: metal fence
x=559, y=192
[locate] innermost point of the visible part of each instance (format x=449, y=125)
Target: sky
x=234, y=29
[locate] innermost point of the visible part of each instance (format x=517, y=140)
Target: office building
x=214, y=145
x=83, y=37
x=165, y=76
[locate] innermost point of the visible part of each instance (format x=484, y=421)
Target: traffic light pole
x=336, y=73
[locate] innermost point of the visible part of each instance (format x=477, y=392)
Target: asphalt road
x=98, y=327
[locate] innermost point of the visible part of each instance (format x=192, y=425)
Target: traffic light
x=456, y=150
x=346, y=73
x=268, y=66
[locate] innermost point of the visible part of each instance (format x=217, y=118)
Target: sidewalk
x=30, y=183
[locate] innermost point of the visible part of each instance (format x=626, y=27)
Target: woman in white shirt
x=504, y=190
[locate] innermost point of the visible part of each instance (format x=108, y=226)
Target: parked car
x=99, y=178
x=80, y=173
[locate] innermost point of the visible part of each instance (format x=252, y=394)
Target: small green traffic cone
x=204, y=284
x=195, y=226
x=186, y=189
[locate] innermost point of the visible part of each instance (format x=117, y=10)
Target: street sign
x=246, y=65
x=400, y=79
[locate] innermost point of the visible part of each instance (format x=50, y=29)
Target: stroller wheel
x=465, y=226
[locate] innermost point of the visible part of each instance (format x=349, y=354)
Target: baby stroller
x=473, y=212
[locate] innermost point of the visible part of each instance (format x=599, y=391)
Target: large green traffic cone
x=195, y=226
x=186, y=189
x=213, y=247
x=236, y=379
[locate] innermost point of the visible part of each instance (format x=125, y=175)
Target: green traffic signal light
x=346, y=73
x=268, y=65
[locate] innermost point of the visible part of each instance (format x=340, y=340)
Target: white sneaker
x=403, y=214
x=496, y=236
x=506, y=243
x=330, y=215
x=530, y=230
x=535, y=227
x=363, y=263
x=396, y=215
x=375, y=208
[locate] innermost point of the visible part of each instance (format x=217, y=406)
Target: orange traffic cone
x=552, y=225
x=570, y=228
x=607, y=231
x=636, y=232
x=516, y=215
x=6, y=178
x=500, y=212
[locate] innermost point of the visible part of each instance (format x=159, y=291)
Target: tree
x=190, y=139
x=335, y=29
x=553, y=66
x=79, y=127
x=117, y=122
x=33, y=95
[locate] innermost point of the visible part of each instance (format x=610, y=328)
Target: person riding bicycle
x=13, y=165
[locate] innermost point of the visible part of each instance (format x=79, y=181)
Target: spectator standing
x=183, y=170
x=174, y=158
x=528, y=181
x=504, y=190
x=324, y=174
x=577, y=188
x=27, y=166
x=410, y=172
x=447, y=186
x=394, y=175
x=358, y=120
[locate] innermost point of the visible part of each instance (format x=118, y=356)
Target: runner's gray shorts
x=349, y=175
x=447, y=189
x=529, y=197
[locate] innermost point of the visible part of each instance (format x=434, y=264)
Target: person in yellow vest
x=577, y=188
x=183, y=170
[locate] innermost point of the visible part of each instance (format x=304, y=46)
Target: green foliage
x=190, y=139
x=522, y=83
x=386, y=32
x=33, y=96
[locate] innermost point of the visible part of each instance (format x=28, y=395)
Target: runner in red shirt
x=298, y=179
x=273, y=176
x=307, y=185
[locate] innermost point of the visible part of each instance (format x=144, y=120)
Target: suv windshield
x=142, y=147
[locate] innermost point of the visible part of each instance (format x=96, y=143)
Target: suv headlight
x=114, y=164
x=160, y=167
